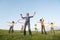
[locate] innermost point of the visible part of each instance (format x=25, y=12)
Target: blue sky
x=48, y=9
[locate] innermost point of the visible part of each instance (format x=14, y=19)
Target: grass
x=18, y=35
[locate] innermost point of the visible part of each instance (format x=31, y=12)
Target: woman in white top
x=11, y=26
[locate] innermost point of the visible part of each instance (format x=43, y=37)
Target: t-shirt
x=42, y=23
x=11, y=24
x=51, y=25
x=27, y=18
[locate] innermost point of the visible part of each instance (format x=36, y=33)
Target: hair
x=51, y=23
x=27, y=13
x=40, y=19
x=13, y=22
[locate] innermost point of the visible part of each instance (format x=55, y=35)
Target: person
x=36, y=28
x=52, y=27
x=42, y=26
x=22, y=27
x=27, y=22
x=11, y=26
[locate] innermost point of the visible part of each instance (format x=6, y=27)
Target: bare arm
x=22, y=16
x=34, y=14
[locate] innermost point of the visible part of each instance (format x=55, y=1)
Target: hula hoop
x=20, y=21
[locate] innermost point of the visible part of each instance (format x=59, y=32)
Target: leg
x=9, y=29
x=36, y=30
x=25, y=29
x=44, y=30
x=51, y=30
x=29, y=29
x=12, y=29
x=21, y=29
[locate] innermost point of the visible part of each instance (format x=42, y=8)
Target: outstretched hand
x=20, y=14
x=34, y=13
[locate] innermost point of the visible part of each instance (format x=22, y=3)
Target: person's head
x=51, y=22
x=40, y=19
x=27, y=14
x=13, y=22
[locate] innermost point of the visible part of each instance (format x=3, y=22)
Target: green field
x=17, y=35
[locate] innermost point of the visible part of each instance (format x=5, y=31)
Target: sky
x=10, y=10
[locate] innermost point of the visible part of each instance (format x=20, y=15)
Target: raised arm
x=21, y=16
x=34, y=14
